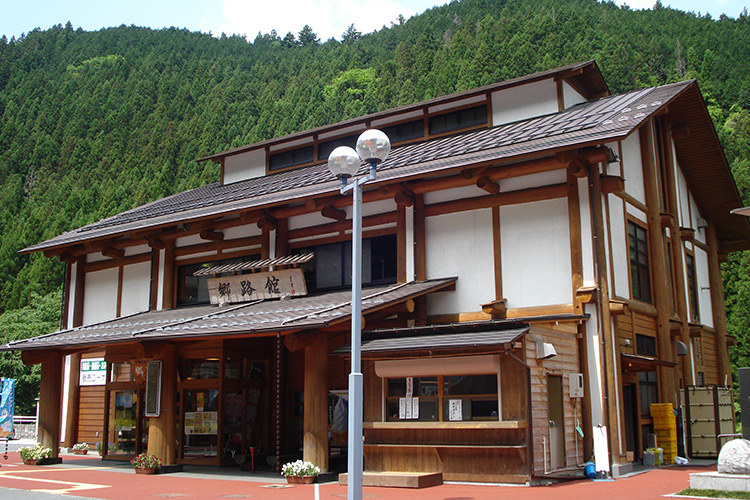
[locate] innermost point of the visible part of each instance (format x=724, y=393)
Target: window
x=648, y=389
x=290, y=158
x=692, y=284
x=456, y=120
x=477, y=395
x=645, y=345
x=332, y=266
x=193, y=290
x=405, y=131
x=640, y=279
x=325, y=148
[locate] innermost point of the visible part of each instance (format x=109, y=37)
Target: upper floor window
x=457, y=120
x=332, y=266
x=645, y=345
x=692, y=285
x=640, y=275
x=290, y=158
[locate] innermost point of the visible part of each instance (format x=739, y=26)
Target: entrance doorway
x=556, y=423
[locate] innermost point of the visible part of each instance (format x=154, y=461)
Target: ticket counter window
x=201, y=423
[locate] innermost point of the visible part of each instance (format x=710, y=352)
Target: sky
x=328, y=18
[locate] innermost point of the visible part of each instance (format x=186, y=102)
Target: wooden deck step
x=399, y=479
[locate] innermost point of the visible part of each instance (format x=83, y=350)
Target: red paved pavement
x=115, y=484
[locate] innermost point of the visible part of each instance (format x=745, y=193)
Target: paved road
x=90, y=478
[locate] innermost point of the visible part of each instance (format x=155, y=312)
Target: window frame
x=636, y=289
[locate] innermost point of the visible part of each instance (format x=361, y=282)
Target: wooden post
x=80, y=290
x=659, y=274
x=50, y=392
x=718, y=307
x=676, y=248
x=162, y=429
x=315, y=442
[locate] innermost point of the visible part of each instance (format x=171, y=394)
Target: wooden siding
x=563, y=338
x=710, y=366
x=91, y=414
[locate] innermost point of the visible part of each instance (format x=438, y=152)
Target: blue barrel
x=590, y=470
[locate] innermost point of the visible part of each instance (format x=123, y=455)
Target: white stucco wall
x=535, y=248
x=525, y=101
x=247, y=165
x=461, y=245
x=100, y=298
x=136, y=286
x=619, y=238
x=571, y=97
x=632, y=167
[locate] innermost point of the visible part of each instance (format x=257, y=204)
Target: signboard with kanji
x=93, y=372
x=257, y=286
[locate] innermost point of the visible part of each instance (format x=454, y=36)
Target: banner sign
x=7, y=406
x=257, y=286
x=93, y=372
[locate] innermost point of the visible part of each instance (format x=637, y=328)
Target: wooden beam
x=404, y=198
x=497, y=308
x=578, y=169
x=80, y=291
x=155, y=242
x=115, y=253
x=597, y=155
x=488, y=185
x=612, y=184
x=575, y=238
x=31, y=358
x=297, y=341
x=267, y=223
x=501, y=199
x=209, y=235
x=331, y=212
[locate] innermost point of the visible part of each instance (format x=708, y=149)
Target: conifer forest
x=93, y=123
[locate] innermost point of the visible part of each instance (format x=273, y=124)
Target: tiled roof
x=300, y=313
x=596, y=122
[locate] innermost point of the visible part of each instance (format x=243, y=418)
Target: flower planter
x=141, y=470
x=300, y=479
x=80, y=452
x=31, y=461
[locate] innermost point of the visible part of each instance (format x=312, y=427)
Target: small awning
x=255, y=264
x=449, y=339
x=635, y=363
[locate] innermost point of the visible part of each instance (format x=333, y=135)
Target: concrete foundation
x=719, y=481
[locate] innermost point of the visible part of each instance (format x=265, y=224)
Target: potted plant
x=80, y=448
x=34, y=455
x=146, y=463
x=300, y=472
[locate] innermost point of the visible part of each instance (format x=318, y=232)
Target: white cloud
x=328, y=18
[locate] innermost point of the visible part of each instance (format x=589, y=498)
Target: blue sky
x=328, y=18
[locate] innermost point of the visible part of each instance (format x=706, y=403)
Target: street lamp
x=373, y=147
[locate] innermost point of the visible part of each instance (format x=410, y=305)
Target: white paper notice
x=455, y=410
x=415, y=408
x=402, y=408
x=409, y=387
x=408, y=407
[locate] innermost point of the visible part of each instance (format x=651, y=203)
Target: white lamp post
x=373, y=147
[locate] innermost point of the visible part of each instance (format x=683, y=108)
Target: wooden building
x=540, y=260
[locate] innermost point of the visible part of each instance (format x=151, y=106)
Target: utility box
x=575, y=382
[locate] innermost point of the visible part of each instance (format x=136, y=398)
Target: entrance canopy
x=294, y=314
x=634, y=363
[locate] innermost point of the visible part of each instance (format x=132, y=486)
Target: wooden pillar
x=50, y=392
x=154, y=288
x=716, y=284
x=677, y=246
x=315, y=441
x=162, y=429
x=610, y=362
x=80, y=290
x=659, y=274
x=282, y=237
x=169, y=298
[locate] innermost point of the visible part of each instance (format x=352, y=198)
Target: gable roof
x=592, y=123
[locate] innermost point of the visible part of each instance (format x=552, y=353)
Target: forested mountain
x=94, y=123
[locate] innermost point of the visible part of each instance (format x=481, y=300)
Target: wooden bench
x=395, y=479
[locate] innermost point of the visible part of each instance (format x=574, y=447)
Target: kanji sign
x=257, y=286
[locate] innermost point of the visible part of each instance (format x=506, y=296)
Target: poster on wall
x=202, y=422
x=455, y=410
x=93, y=372
x=7, y=406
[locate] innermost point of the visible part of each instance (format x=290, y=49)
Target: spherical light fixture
x=343, y=162
x=373, y=146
